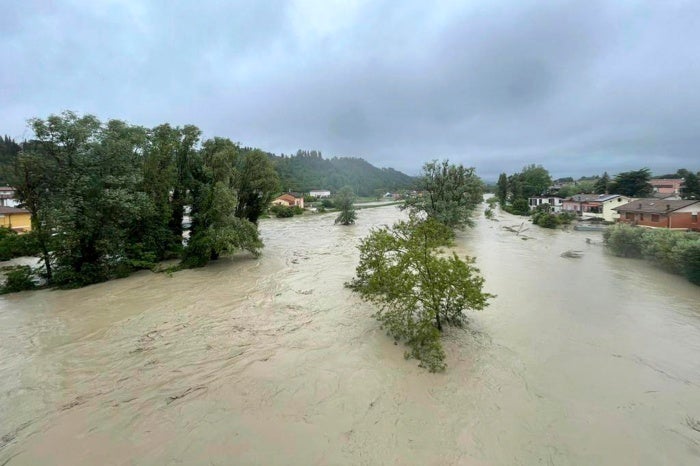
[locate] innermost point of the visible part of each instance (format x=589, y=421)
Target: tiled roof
x=654, y=206
x=12, y=210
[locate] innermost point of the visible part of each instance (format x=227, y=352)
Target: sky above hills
x=579, y=87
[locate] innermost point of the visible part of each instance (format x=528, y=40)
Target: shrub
x=17, y=278
x=281, y=211
x=691, y=263
x=624, y=240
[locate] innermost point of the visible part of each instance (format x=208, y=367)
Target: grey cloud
x=579, y=86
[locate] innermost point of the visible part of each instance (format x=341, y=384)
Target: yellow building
x=19, y=220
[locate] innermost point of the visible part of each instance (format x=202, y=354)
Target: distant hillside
x=308, y=170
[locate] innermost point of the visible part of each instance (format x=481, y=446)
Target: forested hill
x=308, y=170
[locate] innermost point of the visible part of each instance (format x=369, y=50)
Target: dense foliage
x=416, y=287
x=449, y=193
x=108, y=198
x=674, y=251
x=9, y=149
x=633, y=183
x=344, y=203
x=308, y=170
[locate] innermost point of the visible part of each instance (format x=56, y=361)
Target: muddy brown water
x=594, y=360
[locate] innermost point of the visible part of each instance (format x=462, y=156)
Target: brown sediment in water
x=273, y=361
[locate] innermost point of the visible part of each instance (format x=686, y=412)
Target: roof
x=546, y=197
x=592, y=197
x=286, y=197
x=654, y=206
x=12, y=210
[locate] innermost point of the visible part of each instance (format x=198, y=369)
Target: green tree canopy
x=450, y=193
x=418, y=289
x=633, y=183
x=344, y=202
x=691, y=186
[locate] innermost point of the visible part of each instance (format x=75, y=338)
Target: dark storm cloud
x=579, y=87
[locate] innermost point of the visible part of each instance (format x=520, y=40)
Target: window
x=641, y=216
x=694, y=218
x=629, y=216
x=654, y=217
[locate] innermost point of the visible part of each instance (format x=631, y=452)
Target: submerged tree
x=344, y=202
x=417, y=288
x=450, y=193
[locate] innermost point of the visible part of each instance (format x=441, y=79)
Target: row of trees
x=108, y=198
x=405, y=271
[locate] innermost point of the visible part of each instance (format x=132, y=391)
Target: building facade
x=655, y=213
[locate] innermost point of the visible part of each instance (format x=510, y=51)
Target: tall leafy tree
x=633, y=183
x=344, y=202
x=450, y=193
x=256, y=182
x=502, y=188
x=535, y=180
x=215, y=227
x=601, y=185
x=691, y=186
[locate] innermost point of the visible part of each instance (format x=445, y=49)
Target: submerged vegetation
x=674, y=251
x=406, y=273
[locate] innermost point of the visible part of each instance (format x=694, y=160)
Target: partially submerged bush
x=17, y=278
x=674, y=251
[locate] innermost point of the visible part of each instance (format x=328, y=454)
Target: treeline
x=308, y=170
x=674, y=251
x=107, y=198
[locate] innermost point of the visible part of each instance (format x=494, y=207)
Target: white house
x=319, y=193
x=554, y=202
x=7, y=197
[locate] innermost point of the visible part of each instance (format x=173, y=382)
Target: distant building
x=595, y=205
x=319, y=193
x=19, y=220
x=667, y=186
x=661, y=213
x=289, y=200
x=554, y=202
x=8, y=197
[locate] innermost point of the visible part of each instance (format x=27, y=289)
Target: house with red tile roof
x=661, y=213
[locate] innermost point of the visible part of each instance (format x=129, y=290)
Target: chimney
x=668, y=206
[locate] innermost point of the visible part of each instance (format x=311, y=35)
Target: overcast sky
x=579, y=87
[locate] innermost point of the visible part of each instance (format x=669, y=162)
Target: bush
x=281, y=211
x=518, y=207
x=17, y=278
x=545, y=219
x=624, y=240
x=328, y=204
x=674, y=251
x=691, y=263
x=15, y=245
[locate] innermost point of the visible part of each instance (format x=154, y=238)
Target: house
x=595, y=205
x=7, y=197
x=289, y=200
x=667, y=186
x=655, y=213
x=554, y=202
x=319, y=193
x=19, y=220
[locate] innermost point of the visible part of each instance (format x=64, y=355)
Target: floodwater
x=594, y=360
